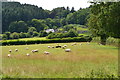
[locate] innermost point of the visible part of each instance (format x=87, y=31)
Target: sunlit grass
x=84, y=60
x=34, y=38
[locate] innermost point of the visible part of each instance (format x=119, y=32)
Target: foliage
x=37, y=17
x=78, y=17
x=51, y=36
x=31, y=30
x=35, y=34
x=102, y=20
x=109, y=41
x=14, y=11
x=43, y=34
x=38, y=24
x=57, y=40
x=14, y=35
x=18, y=26
x=7, y=34
x=113, y=41
x=70, y=33
x=68, y=27
x=22, y=35
x=4, y=37
x=59, y=12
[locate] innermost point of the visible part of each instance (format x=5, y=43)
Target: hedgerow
x=56, y=40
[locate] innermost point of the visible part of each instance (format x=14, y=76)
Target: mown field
x=84, y=61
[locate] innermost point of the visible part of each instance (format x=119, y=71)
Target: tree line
x=67, y=31
x=25, y=15
x=102, y=18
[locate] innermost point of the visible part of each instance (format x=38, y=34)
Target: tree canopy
x=37, y=17
x=104, y=19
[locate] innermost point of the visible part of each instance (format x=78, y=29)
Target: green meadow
x=84, y=61
x=25, y=39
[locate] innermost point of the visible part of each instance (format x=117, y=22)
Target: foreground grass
x=85, y=61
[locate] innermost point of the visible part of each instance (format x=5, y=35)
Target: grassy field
x=35, y=38
x=84, y=61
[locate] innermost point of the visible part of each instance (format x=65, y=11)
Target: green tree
x=59, y=12
x=72, y=10
x=38, y=24
x=104, y=20
x=19, y=26
x=35, y=34
x=31, y=30
x=68, y=27
x=14, y=11
x=27, y=35
x=22, y=35
x=51, y=36
x=43, y=34
x=4, y=37
x=14, y=35
x=8, y=34
x=72, y=33
x=70, y=18
x=78, y=17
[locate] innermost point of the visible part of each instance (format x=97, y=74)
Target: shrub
x=35, y=34
x=56, y=40
x=22, y=35
x=14, y=35
x=43, y=34
x=113, y=41
x=4, y=37
x=109, y=41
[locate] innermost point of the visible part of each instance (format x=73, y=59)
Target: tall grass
x=84, y=61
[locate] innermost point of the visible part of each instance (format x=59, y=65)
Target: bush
x=43, y=34
x=35, y=34
x=57, y=40
x=22, y=35
x=109, y=41
x=14, y=35
x=51, y=36
x=8, y=34
x=96, y=39
x=70, y=33
x=4, y=37
x=113, y=41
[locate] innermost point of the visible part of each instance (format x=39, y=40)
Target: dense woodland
x=30, y=20
x=25, y=14
x=25, y=20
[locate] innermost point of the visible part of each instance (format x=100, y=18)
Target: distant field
x=34, y=38
x=86, y=60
